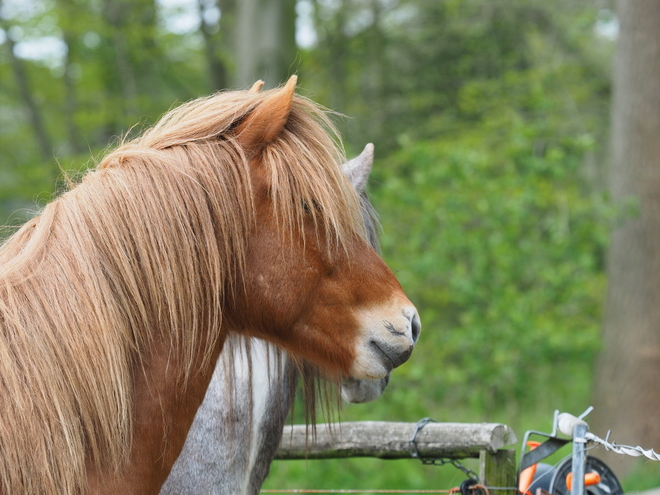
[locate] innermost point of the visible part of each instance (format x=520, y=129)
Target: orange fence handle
x=590, y=479
x=527, y=475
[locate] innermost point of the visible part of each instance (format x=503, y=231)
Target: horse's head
x=312, y=283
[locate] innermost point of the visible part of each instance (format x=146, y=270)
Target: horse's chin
x=376, y=360
x=359, y=391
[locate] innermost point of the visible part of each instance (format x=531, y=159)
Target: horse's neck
x=225, y=453
x=163, y=414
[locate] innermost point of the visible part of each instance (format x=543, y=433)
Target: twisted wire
x=623, y=449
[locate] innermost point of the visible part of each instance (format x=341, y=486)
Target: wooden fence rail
x=387, y=440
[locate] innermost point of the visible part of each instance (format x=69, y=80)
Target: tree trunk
x=71, y=101
x=265, y=42
x=116, y=14
x=34, y=114
x=628, y=370
x=333, y=49
x=217, y=69
x=67, y=10
x=380, y=70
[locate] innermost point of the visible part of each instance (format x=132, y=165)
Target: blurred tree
x=217, y=19
x=117, y=15
x=265, y=41
x=67, y=23
x=627, y=393
x=34, y=112
x=400, y=65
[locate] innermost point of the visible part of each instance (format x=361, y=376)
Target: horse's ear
x=358, y=169
x=268, y=119
x=256, y=87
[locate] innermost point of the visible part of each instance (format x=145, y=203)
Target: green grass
x=644, y=475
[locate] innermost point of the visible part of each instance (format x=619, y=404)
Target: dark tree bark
x=627, y=389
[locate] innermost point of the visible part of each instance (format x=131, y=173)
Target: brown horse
x=230, y=214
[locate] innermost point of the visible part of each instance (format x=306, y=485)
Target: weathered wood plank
x=388, y=440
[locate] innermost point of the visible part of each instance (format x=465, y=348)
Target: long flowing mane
x=146, y=248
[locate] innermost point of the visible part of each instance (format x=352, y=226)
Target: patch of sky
x=179, y=16
x=607, y=25
x=305, y=33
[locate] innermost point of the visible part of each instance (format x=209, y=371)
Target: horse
x=215, y=460
x=229, y=215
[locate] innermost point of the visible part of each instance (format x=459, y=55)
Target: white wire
x=623, y=449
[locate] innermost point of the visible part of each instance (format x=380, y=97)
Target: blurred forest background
x=490, y=121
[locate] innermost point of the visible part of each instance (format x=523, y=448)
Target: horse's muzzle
x=389, y=337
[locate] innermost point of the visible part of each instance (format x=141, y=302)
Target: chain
x=414, y=453
x=454, y=462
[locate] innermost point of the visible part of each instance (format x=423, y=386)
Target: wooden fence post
x=498, y=469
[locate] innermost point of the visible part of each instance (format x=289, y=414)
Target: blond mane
x=144, y=249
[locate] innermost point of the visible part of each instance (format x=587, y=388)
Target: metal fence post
x=579, y=459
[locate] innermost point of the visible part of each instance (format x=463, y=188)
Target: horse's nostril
x=416, y=325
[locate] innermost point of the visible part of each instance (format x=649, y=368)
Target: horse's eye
x=308, y=205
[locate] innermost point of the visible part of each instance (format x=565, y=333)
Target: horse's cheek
x=278, y=291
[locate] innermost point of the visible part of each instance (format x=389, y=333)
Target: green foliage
x=120, y=69
x=502, y=252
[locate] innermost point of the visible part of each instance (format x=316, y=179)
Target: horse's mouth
x=391, y=356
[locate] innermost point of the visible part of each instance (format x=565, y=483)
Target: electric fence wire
x=622, y=449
